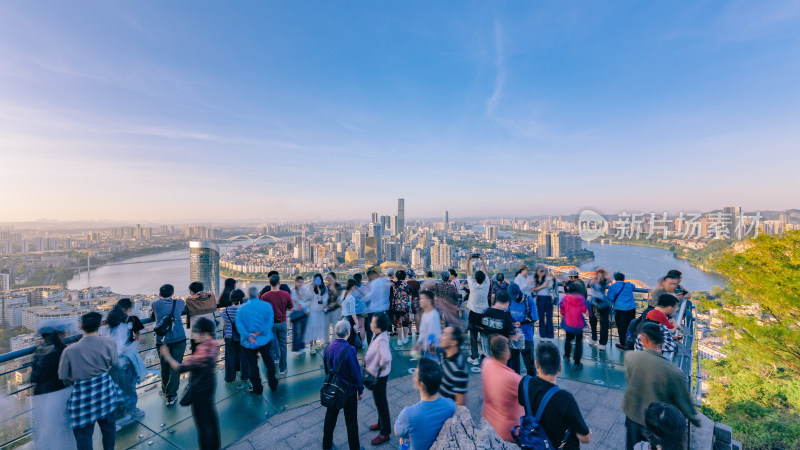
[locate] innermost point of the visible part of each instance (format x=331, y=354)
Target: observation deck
x=292, y=418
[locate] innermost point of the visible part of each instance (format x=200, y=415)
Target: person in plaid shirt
x=95, y=397
x=200, y=391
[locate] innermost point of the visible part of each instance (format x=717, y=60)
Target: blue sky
x=219, y=111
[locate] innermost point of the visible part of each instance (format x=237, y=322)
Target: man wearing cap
x=578, y=286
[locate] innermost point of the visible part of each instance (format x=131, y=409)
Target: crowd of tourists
x=481, y=321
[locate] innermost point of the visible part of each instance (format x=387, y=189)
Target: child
x=573, y=308
x=430, y=330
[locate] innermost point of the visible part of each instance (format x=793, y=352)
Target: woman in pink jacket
x=573, y=308
x=378, y=363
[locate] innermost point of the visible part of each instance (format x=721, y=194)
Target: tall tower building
x=204, y=264
x=446, y=223
x=376, y=231
x=358, y=242
x=544, y=247
x=401, y=215
x=375, y=217
x=733, y=217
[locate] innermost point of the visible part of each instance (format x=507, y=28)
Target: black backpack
x=530, y=434
x=164, y=325
x=334, y=391
x=630, y=339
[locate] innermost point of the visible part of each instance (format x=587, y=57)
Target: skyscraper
x=446, y=223
x=401, y=216
x=544, y=247
x=358, y=242
x=441, y=258
x=491, y=232
x=732, y=215
x=376, y=231
x=204, y=264
x=374, y=217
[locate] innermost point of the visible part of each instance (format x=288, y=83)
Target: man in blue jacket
x=340, y=352
x=621, y=296
x=254, y=322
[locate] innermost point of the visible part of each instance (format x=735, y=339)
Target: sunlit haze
x=220, y=111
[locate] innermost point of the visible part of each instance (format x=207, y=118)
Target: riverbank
x=701, y=259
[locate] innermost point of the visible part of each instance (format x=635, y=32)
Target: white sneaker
x=283, y=372
x=593, y=343
x=474, y=361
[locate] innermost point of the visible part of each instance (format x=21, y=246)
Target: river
x=648, y=264
x=144, y=275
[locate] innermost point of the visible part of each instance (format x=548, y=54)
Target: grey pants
x=279, y=351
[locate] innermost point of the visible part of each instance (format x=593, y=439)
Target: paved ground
x=301, y=427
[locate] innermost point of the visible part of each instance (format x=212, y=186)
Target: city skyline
x=155, y=111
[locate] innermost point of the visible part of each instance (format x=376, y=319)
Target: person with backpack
x=601, y=307
x=522, y=309
x=556, y=415
x=621, y=295
x=343, y=377
x=166, y=312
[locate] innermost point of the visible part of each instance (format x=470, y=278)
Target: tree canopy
x=756, y=388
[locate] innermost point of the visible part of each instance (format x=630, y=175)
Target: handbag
x=165, y=324
x=369, y=380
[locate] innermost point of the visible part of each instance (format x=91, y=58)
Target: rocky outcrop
x=460, y=433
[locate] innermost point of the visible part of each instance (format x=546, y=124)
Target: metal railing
x=682, y=358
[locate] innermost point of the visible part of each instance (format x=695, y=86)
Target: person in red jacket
x=573, y=309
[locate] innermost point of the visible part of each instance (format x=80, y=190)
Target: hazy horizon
x=203, y=112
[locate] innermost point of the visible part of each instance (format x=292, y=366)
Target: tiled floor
x=241, y=413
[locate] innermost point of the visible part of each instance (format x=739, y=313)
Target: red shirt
x=658, y=316
x=281, y=302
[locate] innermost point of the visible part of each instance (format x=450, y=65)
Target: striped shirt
x=229, y=318
x=454, y=375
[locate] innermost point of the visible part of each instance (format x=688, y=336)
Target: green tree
x=756, y=388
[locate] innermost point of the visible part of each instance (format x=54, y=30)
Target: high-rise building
x=441, y=257
x=544, y=247
x=358, y=242
x=371, y=251
x=204, y=264
x=446, y=222
x=138, y=231
x=491, y=232
x=418, y=259
x=375, y=217
x=732, y=217
x=5, y=282
x=393, y=226
x=376, y=231
x=401, y=216
x=564, y=244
